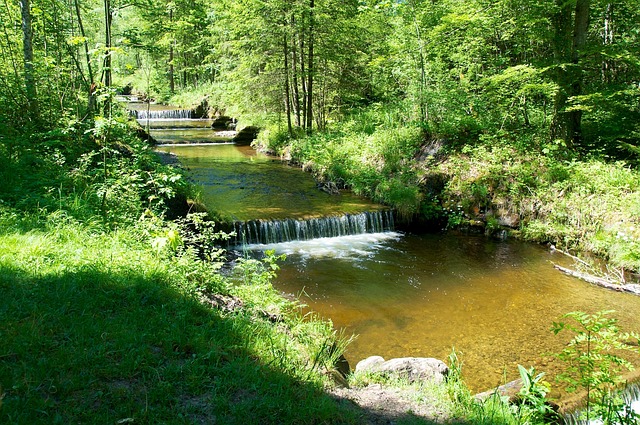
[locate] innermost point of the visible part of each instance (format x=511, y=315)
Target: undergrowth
x=454, y=402
x=579, y=205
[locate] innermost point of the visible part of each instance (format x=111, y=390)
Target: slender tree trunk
x=108, y=18
x=303, y=80
x=287, y=95
x=10, y=45
x=294, y=74
x=310, y=69
x=172, y=82
x=91, y=95
x=424, y=117
x=607, y=39
x=562, y=55
x=27, y=50
x=580, y=30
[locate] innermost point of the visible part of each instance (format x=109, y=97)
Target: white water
x=178, y=124
x=142, y=114
x=362, y=245
x=291, y=230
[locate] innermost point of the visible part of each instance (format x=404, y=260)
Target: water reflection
x=239, y=183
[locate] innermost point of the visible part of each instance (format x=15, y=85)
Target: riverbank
x=585, y=206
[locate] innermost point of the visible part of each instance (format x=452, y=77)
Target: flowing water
x=241, y=184
x=401, y=294
x=424, y=295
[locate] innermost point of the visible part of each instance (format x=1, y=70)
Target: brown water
x=239, y=183
x=404, y=294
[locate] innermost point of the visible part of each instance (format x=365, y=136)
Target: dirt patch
x=381, y=405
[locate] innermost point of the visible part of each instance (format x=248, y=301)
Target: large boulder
x=222, y=122
x=246, y=135
x=369, y=363
x=411, y=368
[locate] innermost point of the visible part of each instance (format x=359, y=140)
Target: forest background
x=517, y=115
x=501, y=111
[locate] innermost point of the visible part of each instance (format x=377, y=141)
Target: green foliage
x=97, y=327
x=530, y=408
x=595, y=362
x=103, y=170
x=578, y=205
x=374, y=163
x=534, y=406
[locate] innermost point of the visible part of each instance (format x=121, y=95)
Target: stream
x=400, y=294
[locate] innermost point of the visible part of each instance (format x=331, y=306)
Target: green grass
x=587, y=206
x=452, y=400
x=96, y=328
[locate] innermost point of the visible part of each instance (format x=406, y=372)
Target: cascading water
x=165, y=114
x=631, y=397
x=277, y=231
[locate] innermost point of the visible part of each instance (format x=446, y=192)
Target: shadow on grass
x=90, y=347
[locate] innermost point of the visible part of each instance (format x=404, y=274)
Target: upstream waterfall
x=163, y=114
x=286, y=230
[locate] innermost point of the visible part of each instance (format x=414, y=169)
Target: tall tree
x=311, y=66
x=27, y=48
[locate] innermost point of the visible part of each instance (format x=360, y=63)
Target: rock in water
x=246, y=135
x=221, y=122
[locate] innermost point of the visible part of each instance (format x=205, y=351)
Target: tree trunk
x=424, y=114
x=563, y=53
x=287, y=95
x=303, y=81
x=108, y=18
x=310, y=69
x=91, y=95
x=607, y=39
x=27, y=50
x=172, y=82
x=294, y=74
x=580, y=30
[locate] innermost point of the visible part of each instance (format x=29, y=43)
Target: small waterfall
x=630, y=395
x=276, y=231
x=167, y=114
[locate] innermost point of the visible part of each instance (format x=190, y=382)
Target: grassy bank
x=99, y=327
x=111, y=313
x=581, y=205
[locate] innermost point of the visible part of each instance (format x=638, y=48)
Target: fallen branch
x=630, y=288
x=579, y=260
